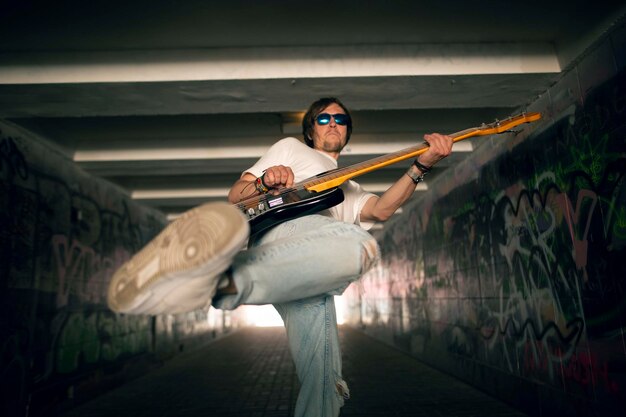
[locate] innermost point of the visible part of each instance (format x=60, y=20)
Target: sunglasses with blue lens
x=324, y=118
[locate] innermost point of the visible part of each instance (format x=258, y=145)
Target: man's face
x=330, y=137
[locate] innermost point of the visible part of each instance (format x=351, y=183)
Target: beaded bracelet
x=260, y=186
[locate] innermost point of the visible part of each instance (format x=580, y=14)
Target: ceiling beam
x=262, y=63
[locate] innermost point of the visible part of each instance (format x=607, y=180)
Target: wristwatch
x=417, y=178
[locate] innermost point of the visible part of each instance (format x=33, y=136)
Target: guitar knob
x=251, y=212
x=261, y=207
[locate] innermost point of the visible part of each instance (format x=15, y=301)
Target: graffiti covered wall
x=509, y=273
x=62, y=235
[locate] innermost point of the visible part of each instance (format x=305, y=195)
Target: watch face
x=416, y=178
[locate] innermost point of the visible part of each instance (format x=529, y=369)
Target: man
x=298, y=266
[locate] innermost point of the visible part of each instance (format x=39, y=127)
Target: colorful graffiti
x=519, y=271
x=62, y=235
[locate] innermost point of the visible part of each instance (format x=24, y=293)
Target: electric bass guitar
x=322, y=191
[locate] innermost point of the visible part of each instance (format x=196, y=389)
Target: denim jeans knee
x=302, y=258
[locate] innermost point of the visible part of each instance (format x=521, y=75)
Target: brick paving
x=250, y=373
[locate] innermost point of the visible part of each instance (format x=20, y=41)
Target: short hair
x=308, y=122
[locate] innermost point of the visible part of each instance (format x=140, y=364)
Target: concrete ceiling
x=172, y=100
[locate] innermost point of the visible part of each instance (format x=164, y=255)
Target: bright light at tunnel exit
x=267, y=316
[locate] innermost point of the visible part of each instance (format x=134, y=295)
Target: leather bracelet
x=414, y=177
x=423, y=168
x=260, y=185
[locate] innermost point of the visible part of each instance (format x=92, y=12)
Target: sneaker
x=178, y=271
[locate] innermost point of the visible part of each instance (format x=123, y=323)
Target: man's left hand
x=440, y=146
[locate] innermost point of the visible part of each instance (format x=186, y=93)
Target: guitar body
x=270, y=210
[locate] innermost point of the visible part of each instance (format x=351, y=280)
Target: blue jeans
x=298, y=266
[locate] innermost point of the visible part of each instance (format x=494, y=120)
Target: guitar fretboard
x=336, y=177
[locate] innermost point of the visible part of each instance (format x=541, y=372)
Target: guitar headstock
x=501, y=126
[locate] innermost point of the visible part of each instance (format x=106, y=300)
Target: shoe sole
x=200, y=244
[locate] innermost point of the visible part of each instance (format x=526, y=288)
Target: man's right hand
x=275, y=177
x=278, y=176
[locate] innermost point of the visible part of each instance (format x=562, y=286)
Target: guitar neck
x=338, y=176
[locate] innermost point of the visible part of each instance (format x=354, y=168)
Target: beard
x=333, y=143
x=332, y=146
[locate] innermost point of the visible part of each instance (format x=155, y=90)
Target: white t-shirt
x=306, y=162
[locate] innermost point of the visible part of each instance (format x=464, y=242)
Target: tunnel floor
x=250, y=373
